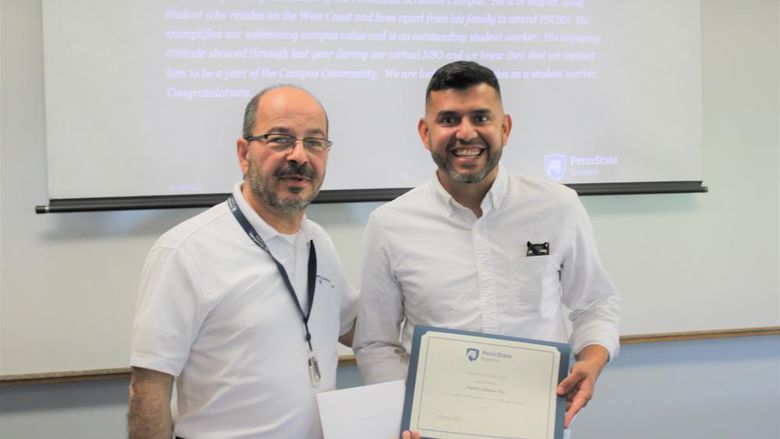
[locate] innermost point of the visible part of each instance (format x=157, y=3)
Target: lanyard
x=314, y=371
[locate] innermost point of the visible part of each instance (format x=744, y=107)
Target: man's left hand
x=579, y=385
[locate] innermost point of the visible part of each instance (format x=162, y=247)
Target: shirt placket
x=486, y=282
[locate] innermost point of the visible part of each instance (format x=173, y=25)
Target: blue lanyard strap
x=312, y=266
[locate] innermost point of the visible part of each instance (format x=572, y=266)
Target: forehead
x=290, y=109
x=477, y=97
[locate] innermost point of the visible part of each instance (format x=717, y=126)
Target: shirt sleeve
x=349, y=295
x=167, y=317
x=587, y=290
x=349, y=301
x=380, y=355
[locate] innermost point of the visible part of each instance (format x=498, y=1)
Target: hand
x=579, y=385
x=410, y=435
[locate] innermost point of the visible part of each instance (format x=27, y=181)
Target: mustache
x=292, y=169
x=454, y=142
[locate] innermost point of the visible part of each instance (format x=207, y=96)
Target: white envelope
x=372, y=411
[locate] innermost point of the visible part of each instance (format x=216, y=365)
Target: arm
x=380, y=355
x=595, y=315
x=149, y=416
x=347, y=294
x=588, y=291
x=578, y=387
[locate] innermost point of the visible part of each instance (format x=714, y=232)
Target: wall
x=724, y=389
x=70, y=280
x=717, y=244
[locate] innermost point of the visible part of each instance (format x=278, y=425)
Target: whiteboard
x=146, y=98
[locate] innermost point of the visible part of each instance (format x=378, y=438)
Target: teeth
x=471, y=152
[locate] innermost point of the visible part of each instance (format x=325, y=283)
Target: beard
x=259, y=186
x=444, y=164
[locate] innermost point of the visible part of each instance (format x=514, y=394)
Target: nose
x=298, y=153
x=465, y=131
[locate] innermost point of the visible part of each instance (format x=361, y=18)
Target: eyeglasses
x=286, y=142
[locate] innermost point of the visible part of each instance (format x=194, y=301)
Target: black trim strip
x=648, y=187
x=63, y=205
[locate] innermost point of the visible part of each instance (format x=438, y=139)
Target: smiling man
x=478, y=249
x=243, y=304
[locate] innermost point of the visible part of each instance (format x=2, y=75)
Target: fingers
x=578, y=391
x=579, y=385
x=568, y=384
x=579, y=401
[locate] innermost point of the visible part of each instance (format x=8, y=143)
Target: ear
x=422, y=130
x=242, y=150
x=506, y=128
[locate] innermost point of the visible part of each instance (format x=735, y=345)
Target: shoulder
x=538, y=200
x=416, y=200
x=211, y=223
x=542, y=192
x=542, y=188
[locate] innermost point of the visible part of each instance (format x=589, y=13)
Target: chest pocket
x=534, y=281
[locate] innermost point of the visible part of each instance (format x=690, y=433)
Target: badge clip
x=314, y=370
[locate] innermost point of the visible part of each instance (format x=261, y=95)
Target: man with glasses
x=478, y=249
x=242, y=305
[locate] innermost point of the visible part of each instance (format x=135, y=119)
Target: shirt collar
x=497, y=192
x=492, y=201
x=265, y=230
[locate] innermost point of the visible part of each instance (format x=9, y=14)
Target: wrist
x=594, y=353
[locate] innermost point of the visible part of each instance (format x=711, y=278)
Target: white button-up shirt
x=431, y=261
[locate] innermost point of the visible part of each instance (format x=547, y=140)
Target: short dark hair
x=461, y=75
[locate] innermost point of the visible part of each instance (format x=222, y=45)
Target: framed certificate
x=464, y=385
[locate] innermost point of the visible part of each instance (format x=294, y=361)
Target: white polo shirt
x=430, y=261
x=214, y=312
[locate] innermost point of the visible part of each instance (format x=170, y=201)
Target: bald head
x=271, y=97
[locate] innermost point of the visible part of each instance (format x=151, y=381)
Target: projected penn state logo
x=472, y=354
x=555, y=166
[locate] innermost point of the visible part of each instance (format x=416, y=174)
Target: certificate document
x=469, y=385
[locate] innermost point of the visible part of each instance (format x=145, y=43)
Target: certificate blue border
x=419, y=331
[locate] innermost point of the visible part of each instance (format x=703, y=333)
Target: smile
x=467, y=152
